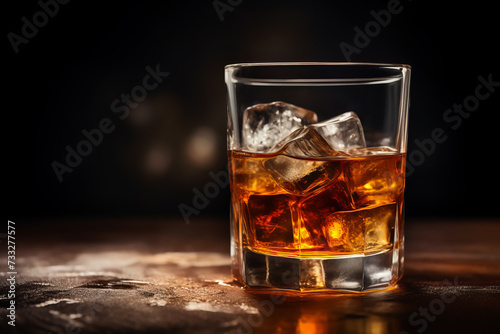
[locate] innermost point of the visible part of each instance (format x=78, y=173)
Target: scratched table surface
x=163, y=276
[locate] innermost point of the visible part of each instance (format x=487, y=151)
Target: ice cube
x=315, y=210
x=376, y=181
x=364, y=230
x=250, y=177
x=326, y=139
x=266, y=124
x=342, y=132
x=305, y=142
x=298, y=175
x=271, y=220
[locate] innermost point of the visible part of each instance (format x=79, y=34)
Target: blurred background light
x=201, y=147
x=157, y=159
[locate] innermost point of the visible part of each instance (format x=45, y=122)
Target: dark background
x=66, y=77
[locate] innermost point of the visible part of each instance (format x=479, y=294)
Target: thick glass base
x=350, y=273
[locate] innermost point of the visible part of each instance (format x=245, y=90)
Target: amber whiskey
x=326, y=207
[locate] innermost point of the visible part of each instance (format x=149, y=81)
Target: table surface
x=164, y=276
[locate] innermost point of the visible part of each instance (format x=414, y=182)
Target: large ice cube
x=364, y=230
x=300, y=176
x=315, y=209
x=342, y=132
x=250, y=177
x=266, y=124
x=271, y=220
x=376, y=181
x=305, y=142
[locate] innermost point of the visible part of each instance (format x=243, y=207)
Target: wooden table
x=163, y=276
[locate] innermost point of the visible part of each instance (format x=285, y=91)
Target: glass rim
x=233, y=76
x=300, y=63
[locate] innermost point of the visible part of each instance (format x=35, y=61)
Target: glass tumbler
x=317, y=157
